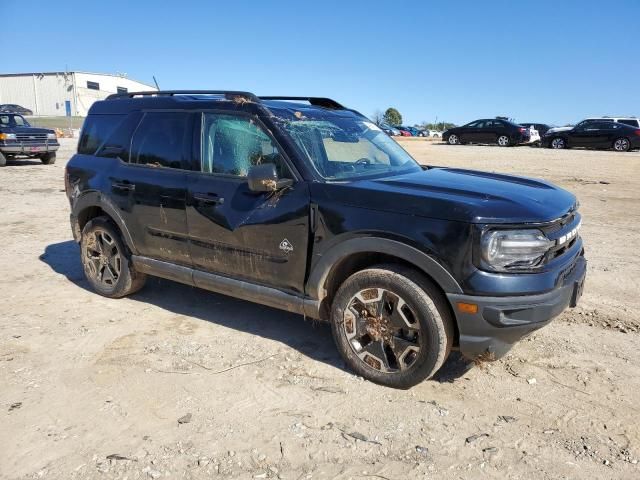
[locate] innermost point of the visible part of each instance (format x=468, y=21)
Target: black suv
x=491, y=130
x=307, y=206
x=18, y=138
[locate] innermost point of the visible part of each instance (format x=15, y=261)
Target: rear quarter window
x=95, y=131
x=631, y=122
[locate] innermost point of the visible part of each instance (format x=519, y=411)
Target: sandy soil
x=175, y=382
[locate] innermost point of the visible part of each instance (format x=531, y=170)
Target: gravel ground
x=176, y=382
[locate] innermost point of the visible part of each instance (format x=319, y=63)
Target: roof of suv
x=218, y=99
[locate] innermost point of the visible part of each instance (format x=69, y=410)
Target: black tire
x=454, y=139
x=503, y=141
x=3, y=160
x=621, y=144
x=402, y=288
x=558, y=143
x=110, y=276
x=48, y=158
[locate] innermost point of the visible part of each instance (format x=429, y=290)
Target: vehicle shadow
x=309, y=337
x=23, y=162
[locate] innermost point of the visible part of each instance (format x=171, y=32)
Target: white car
x=435, y=134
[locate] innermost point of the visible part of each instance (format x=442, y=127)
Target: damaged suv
x=304, y=205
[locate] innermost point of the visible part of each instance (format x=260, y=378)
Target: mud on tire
x=106, y=260
x=392, y=325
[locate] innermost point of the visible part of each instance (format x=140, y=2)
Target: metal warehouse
x=63, y=93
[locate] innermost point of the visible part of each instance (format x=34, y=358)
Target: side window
x=162, y=140
x=231, y=144
x=117, y=145
x=633, y=123
x=95, y=131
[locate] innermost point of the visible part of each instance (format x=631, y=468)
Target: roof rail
x=317, y=101
x=228, y=94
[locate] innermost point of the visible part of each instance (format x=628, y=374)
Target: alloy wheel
x=503, y=140
x=621, y=145
x=382, y=330
x=102, y=258
x=453, y=140
x=557, y=143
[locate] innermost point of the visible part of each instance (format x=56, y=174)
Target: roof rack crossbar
x=228, y=94
x=318, y=101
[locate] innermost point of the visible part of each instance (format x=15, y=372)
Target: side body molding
x=96, y=199
x=320, y=272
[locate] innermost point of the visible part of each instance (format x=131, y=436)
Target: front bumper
x=501, y=321
x=29, y=148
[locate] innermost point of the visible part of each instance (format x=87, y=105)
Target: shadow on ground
x=309, y=337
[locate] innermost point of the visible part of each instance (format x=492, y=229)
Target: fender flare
x=320, y=272
x=96, y=199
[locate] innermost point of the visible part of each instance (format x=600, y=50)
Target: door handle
x=129, y=187
x=208, y=198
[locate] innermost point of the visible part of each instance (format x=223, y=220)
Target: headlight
x=7, y=136
x=507, y=250
x=51, y=136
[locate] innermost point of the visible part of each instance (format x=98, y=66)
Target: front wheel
x=3, y=160
x=453, y=139
x=48, y=158
x=558, y=143
x=106, y=261
x=391, y=326
x=621, y=145
x=504, y=141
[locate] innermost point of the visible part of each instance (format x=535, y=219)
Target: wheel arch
x=93, y=204
x=350, y=256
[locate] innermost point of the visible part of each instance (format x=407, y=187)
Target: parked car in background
x=435, y=133
x=541, y=128
x=19, y=139
x=415, y=132
x=389, y=130
x=600, y=133
x=404, y=132
x=13, y=108
x=490, y=130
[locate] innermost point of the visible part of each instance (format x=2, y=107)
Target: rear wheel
x=454, y=139
x=621, y=145
x=106, y=261
x=504, y=141
x=558, y=143
x=48, y=158
x=391, y=325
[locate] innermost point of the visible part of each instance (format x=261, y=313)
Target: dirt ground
x=176, y=382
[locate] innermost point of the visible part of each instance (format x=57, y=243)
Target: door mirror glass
x=264, y=178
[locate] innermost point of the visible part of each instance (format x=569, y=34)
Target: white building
x=53, y=93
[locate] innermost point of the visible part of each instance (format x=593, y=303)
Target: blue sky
x=548, y=61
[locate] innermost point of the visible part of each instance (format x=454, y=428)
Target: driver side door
x=261, y=237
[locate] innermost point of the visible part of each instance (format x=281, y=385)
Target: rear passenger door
x=152, y=187
x=259, y=237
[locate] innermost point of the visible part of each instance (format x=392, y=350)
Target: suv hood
x=25, y=130
x=461, y=195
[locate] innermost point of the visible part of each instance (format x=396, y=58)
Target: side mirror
x=264, y=178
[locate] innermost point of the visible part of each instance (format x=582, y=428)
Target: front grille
x=562, y=228
x=31, y=138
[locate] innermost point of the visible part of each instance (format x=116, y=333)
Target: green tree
x=393, y=117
